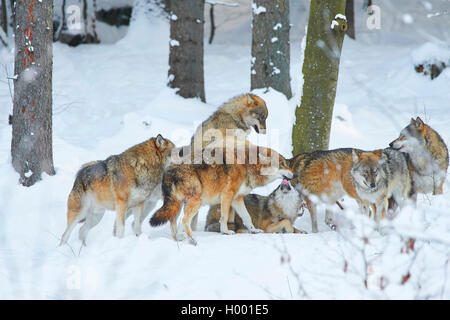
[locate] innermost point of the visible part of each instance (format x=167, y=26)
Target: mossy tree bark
x=270, y=46
x=186, y=48
x=31, y=146
x=325, y=36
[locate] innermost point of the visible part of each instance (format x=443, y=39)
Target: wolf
x=428, y=157
x=379, y=175
x=224, y=183
x=274, y=213
x=323, y=176
x=121, y=182
x=233, y=119
x=242, y=112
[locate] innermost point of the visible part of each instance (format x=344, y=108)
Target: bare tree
x=31, y=146
x=325, y=35
x=186, y=48
x=270, y=46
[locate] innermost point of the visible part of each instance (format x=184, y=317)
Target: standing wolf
x=235, y=117
x=323, y=176
x=428, y=157
x=274, y=213
x=378, y=176
x=121, y=182
x=227, y=182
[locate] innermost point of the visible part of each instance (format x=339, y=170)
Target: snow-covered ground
x=109, y=97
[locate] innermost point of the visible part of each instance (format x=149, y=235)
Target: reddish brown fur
x=319, y=172
x=195, y=185
x=112, y=182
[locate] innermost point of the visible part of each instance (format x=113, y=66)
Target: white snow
x=340, y=16
x=431, y=52
x=407, y=18
x=258, y=10
x=109, y=97
x=277, y=26
x=334, y=23
x=174, y=43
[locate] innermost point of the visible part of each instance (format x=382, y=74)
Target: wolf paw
x=300, y=231
x=228, y=232
x=254, y=230
x=193, y=241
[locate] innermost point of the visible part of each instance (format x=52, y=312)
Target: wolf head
x=273, y=165
x=366, y=169
x=255, y=113
x=163, y=147
x=411, y=137
x=288, y=199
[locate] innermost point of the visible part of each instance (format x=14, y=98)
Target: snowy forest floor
x=110, y=97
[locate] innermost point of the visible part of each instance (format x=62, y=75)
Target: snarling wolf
x=225, y=183
x=274, y=213
x=428, y=157
x=121, y=182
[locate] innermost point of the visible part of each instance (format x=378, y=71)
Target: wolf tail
x=74, y=211
x=169, y=211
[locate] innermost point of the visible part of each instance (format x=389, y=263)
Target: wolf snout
x=391, y=144
x=289, y=177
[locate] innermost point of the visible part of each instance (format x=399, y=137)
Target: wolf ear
x=355, y=155
x=419, y=123
x=378, y=153
x=250, y=99
x=160, y=142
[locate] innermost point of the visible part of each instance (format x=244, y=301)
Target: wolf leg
x=194, y=223
x=190, y=210
x=239, y=205
x=92, y=219
x=280, y=225
x=329, y=219
x=312, y=211
x=138, y=211
x=73, y=217
x=225, y=207
x=121, y=210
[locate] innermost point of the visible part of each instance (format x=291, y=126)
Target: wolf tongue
x=284, y=182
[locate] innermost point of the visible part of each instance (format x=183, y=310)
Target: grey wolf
x=121, y=182
x=428, y=157
x=379, y=175
x=193, y=185
x=274, y=213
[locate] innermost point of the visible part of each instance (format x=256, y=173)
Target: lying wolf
x=274, y=213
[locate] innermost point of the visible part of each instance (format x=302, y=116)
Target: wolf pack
x=221, y=167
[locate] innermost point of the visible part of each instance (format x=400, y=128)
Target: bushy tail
x=74, y=208
x=169, y=211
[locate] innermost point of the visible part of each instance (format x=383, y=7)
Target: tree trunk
x=31, y=146
x=350, y=14
x=186, y=48
x=4, y=17
x=311, y=130
x=270, y=46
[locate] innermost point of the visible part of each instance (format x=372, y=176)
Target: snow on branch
x=223, y=3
